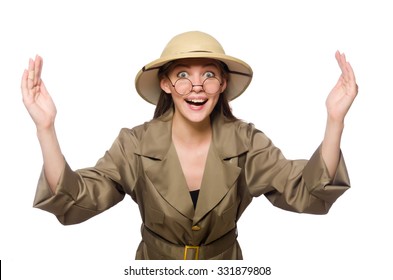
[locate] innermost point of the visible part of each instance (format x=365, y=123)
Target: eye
x=182, y=74
x=209, y=74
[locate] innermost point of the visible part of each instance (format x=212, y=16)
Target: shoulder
x=233, y=138
x=138, y=132
x=150, y=139
x=245, y=133
x=238, y=129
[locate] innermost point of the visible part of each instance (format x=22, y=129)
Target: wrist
x=335, y=122
x=43, y=132
x=333, y=131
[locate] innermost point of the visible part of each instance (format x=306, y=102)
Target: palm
x=344, y=92
x=36, y=98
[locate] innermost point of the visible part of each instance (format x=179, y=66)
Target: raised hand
x=36, y=98
x=343, y=93
x=42, y=110
x=338, y=103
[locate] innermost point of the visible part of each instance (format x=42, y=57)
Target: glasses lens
x=211, y=85
x=183, y=86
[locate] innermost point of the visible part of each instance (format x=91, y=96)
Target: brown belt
x=188, y=252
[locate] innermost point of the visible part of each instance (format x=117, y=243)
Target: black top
x=194, y=197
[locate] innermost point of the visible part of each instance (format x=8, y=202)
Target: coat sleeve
x=294, y=185
x=84, y=193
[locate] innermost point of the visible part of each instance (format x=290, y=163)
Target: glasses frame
x=192, y=85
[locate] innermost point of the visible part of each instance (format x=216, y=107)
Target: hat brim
x=148, y=85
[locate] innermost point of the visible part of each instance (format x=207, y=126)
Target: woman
x=194, y=168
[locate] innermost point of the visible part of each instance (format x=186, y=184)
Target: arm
x=338, y=103
x=74, y=196
x=295, y=185
x=42, y=110
x=87, y=192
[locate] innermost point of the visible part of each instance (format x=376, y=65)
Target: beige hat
x=193, y=44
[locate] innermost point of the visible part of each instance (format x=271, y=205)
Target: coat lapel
x=164, y=170
x=167, y=177
x=165, y=173
x=220, y=174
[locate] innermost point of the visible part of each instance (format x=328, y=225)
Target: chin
x=197, y=118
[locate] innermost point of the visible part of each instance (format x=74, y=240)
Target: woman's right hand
x=36, y=98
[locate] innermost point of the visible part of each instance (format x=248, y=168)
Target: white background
x=92, y=51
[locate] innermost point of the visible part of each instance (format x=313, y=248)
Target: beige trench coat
x=242, y=163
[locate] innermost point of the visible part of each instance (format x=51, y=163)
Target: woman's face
x=195, y=85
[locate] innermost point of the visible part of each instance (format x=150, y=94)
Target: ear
x=166, y=85
x=224, y=85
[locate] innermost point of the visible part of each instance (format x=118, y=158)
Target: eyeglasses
x=184, y=86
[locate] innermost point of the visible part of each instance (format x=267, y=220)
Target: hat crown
x=191, y=42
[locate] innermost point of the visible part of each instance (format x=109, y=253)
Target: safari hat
x=193, y=44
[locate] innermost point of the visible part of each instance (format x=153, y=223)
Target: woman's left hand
x=344, y=92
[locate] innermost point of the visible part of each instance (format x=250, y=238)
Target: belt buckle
x=196, y=248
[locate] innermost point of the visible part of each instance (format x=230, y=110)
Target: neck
x=189, y=132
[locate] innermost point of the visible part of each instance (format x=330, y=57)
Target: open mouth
x=196, y=102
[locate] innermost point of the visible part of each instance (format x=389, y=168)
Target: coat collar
x=157, y=138
x=167, y=176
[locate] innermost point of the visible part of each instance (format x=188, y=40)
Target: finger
x=351, y=73
x=37, y=69
x=24, y=82
x=352, y=78
x=31, y=74
x=26, y=93
x=346, y=70
x=341, y=60
x=338, y=58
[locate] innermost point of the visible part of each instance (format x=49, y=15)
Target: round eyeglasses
x=184, y=86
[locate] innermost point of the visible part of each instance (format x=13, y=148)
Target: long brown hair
x=165, y=101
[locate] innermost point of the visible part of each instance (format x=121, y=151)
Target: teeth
x=196, y=100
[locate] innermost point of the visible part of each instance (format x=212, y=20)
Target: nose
x=197, y=85
x=197, y=88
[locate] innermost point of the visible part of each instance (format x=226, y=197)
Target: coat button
x=196, y=228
